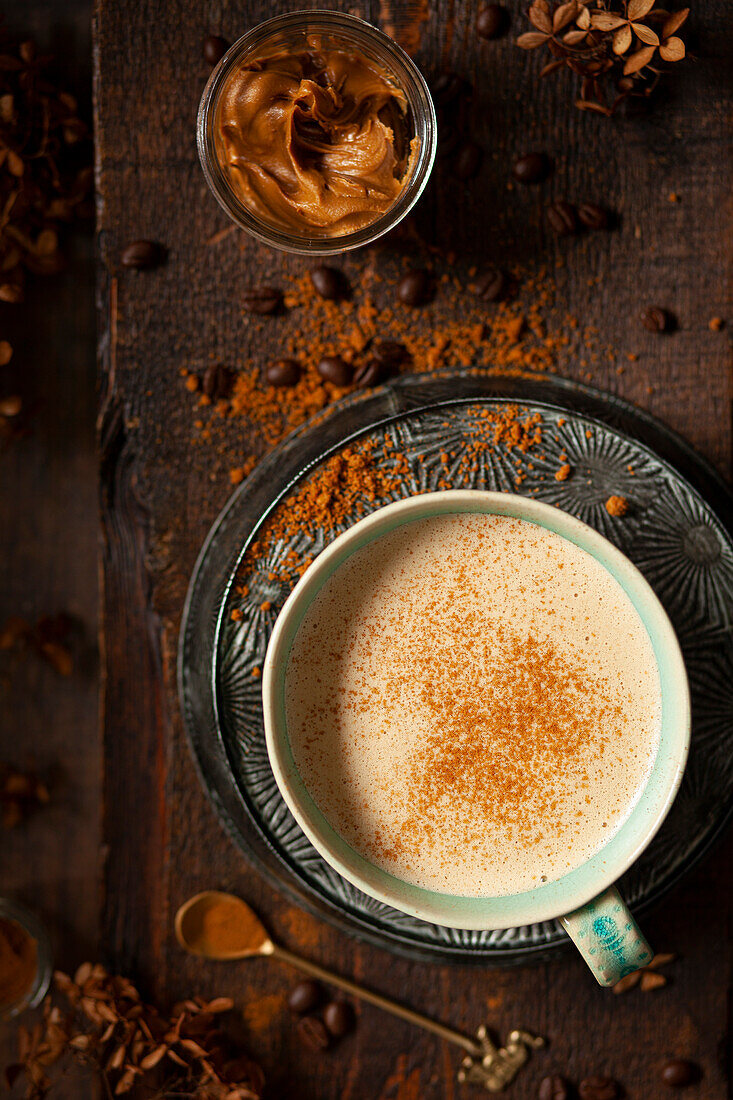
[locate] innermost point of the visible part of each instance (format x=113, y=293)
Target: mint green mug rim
x=546, y=901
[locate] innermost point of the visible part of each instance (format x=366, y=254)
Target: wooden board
x=160, y=493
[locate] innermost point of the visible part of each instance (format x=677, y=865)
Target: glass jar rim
x=31, y=924
x=411, y=81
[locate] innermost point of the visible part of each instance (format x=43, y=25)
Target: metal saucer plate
x=677, y=531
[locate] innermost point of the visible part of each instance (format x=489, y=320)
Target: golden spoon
x=221, y=926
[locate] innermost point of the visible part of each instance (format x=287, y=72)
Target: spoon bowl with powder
x=219, y=926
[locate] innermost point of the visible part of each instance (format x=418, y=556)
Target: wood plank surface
x=161, y=491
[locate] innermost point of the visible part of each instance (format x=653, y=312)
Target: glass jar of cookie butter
x=316, y=133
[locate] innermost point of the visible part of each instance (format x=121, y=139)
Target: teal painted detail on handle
x=608, y=937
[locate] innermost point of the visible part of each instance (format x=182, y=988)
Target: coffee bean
x=491, y=285
x=677, y=1073
x=554, y=1087
x=414, y=288
x=368, y=374
x=305, y=996
x=262, y=299
x=214, y=48
x=313, y=1033
x=599, y=1088
x=593, y=216
x=391, y=354
x=283, y=372
x=339, y=1018
x=492, y=21
x=449, y=87
x=336, y=370
x=217, y=383
x=11, y=406
x=654, y=319
x=562, y=219
x=467, y=160
x=143, y=255
x=532, y=168
x=328, y=282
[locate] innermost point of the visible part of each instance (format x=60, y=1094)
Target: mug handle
x=608, y=937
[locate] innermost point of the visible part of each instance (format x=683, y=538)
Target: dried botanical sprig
x=50, y=638
x=20, y=794
x=648, y=977
x=109, y=1028
x=606, y=42
x=45, y=167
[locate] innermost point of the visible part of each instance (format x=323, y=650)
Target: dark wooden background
x=135, y=815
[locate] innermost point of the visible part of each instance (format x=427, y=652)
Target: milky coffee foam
x=474, y=704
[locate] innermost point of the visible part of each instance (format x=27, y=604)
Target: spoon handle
x=447, y=1033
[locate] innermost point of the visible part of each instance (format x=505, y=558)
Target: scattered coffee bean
x=262, y=299
x=678, y=1073
x=447, y=88
x=336, y=370
x=217, y=383
x=313, y=1033
x=214, y=48
x=339, y=1018
x=414, y=288
x=11, y=406
x=143, y=255
x=368, y=374
x=562, y=218
x=305, y=996
x=328, y=282
x=283, y=372
x=391, y=354
x=654, y=319
x=491, y=285
x=554, y=1087
x=532, y=168
x=467, y=160
x=593, y=216
x=492, y=21
x=599, y=1088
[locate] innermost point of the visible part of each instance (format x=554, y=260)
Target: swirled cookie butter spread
x=474, y=704
x=317, y=142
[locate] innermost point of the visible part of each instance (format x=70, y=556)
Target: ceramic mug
x=585, y=900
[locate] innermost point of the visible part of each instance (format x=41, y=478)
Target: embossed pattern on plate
x=670, y=532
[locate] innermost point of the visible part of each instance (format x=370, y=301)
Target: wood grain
x=160, y=494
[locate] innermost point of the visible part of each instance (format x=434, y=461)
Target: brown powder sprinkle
x=543, y=711
x=617, y=506
x=349, y=484
x=18, y=962
x=519, y=335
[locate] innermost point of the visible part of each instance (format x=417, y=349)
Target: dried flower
x=603, y=41
x=108, y=1027
x=647, y=978
x=50, y=638
x=20, y=794
x=45, y=170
